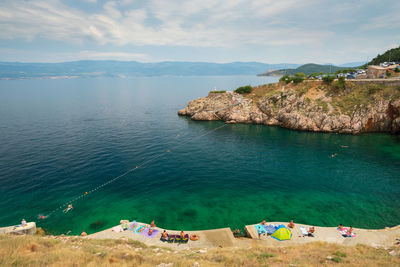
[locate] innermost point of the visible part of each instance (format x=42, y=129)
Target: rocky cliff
x=309, y=107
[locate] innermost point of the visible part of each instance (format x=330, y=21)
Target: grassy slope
x=42, y=251
x=341, y=101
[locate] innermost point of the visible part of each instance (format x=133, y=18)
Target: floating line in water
x=132, y=170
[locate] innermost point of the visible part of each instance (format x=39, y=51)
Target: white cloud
x=123, y=56
x=200, y=23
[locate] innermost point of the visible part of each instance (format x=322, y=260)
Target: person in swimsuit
x=291, y=224
x=68, y=208
x=311, y=231
x=349, y=232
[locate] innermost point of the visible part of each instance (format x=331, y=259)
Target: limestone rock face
x=286, y=109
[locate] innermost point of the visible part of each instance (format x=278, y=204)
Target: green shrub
x=388, y=74
x=285, y=78
x=340, y=254
x=244, y=89
x=397, y=69
x=298, y=78
x=337, y=259
x=328, y=79
x=218, y=92
x=264, y=256
x=300, y=74
x=373, y=88
x=341, y=83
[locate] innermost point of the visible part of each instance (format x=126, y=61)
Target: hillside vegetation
x=390, y=55
x=334, y=97
x=75, y=251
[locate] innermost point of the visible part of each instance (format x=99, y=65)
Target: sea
x=78, y=141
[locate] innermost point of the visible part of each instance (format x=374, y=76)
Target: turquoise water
x=61, y=138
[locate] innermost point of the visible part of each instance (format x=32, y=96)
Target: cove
x=61, y=138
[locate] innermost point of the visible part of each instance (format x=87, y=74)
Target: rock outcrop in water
x=315, y=110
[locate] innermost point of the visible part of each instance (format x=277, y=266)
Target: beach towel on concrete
x=133, y=226
x=305, y=232
x=146, y=233
x=344, y=232
x=140, y=229
x=117, y=229
x=270, y=229
x=260, y=229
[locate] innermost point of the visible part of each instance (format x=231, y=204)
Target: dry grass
x=44, y=251
x=342, y=100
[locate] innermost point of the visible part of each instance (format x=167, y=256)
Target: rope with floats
x=68, y=204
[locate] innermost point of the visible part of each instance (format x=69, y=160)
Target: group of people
x=310, y=231
x=165, y=235
x=346, y=232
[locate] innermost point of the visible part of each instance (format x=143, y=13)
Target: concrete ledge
x=208, y=238
x=375, y=238
x=28, y=229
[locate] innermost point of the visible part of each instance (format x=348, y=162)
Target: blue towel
x=260, y=229
x=270, y=229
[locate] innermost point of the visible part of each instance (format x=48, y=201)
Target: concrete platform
x=28, y=229
x=208, y=238
x=381, y=237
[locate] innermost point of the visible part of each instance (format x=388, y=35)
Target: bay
x=62, y=138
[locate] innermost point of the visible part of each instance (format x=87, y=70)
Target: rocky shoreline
x=312, y=110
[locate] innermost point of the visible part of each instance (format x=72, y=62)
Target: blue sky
x=269, y=31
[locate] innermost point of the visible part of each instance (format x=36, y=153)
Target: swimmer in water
x=68, y=208
x=42, y=217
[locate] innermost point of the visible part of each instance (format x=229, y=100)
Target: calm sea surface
x=62, y=138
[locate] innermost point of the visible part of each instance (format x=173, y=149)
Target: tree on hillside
x=390, y=55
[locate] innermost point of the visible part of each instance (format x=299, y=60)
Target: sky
x=269, y=31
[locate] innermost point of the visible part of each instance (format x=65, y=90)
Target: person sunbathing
x=165, y=235
x=291, y=224
x=349, y=232
x=340, y=227
x=311, y=231
x=150, y=231
x=83, y=233
x=182, y=234
x=23, y=222
x=264, y=222
x=152, y=224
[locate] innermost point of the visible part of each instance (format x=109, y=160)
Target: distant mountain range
x=353, y=64
x=108, y=68
x=306, y=69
